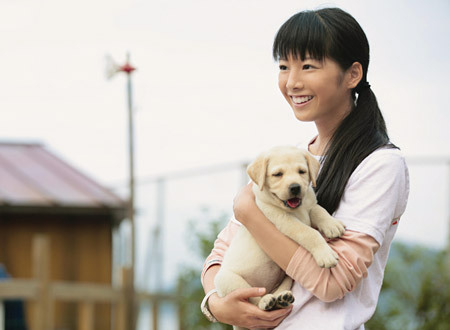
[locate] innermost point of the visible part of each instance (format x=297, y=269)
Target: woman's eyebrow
x=315, y=60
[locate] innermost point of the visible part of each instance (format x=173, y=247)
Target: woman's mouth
x=301, y=100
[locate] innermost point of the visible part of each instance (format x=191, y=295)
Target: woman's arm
x=277, y=246
x=235, y=308
x=355, y=251
x=221, y=245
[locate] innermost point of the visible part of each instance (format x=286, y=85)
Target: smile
x=301, y=99
x=293, y=203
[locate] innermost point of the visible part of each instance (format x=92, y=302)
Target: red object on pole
x=127, y=67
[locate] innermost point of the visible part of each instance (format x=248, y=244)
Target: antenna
x=111, y=69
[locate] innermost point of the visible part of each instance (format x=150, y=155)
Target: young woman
x=323, y=57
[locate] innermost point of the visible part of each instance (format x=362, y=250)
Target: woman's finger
x=235, y=309
x=271, y=316
x=272, y=319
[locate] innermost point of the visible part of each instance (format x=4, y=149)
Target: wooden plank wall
x=80, y=250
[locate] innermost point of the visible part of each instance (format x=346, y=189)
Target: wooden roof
x=33, y=178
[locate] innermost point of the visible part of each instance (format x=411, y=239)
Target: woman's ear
x=354, y=75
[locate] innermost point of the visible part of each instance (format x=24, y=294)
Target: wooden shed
x=40, y=193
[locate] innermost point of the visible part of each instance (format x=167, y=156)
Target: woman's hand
x=244, y=204
x=235, y=309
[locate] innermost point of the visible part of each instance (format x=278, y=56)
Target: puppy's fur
x=282, y=178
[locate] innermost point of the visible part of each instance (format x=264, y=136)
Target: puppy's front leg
x=323, y=221
x=312, y=241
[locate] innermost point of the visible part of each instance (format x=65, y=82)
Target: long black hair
x=333, y=33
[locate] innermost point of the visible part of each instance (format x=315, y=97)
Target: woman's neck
x=318, y=146
x=326, y=128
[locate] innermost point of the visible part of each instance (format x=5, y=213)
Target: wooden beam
x=19, y=289
x=43, y=311
x=70, y=291
x=86, y=316
x=155, y=315
x=124, y=308
x=150, y=297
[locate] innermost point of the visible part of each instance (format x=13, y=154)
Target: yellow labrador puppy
x=282, y=178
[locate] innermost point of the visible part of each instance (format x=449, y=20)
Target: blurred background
x=205, y=102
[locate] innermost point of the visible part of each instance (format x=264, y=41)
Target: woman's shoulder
x=387, y=161
x=389, y=150
x=376, y=193
x=385, y=156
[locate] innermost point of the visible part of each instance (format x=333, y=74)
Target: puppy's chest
x=244, y=253
x=282, y=219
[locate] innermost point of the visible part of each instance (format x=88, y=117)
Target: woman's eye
x=307, y=66
x=278, y=174
x=283, y=67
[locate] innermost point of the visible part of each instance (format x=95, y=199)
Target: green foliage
x=189, y=286
x=415, y=292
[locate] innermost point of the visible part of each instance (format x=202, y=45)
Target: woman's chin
x=303, y=117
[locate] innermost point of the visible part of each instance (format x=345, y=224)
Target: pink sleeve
x=221, y=245
x=356, y=251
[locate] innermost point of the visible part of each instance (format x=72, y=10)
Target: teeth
x=301, y=99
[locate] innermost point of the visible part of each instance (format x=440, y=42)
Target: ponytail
x=359, y=134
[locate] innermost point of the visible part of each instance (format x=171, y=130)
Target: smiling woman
x=324, y=57
x=363, y=181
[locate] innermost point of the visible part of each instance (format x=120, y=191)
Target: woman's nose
x=294, y=81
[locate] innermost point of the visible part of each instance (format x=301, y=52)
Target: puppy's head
x=284, y=174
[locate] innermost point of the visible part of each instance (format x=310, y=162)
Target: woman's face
x=317, y=91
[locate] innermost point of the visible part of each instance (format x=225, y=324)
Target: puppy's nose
x=294, y=189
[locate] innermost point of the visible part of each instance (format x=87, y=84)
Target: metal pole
x=133, y=311
x=130, y=304
x=160, y=207
x=447, y=257
x=131, y=165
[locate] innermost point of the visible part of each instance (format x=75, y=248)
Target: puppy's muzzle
x=294, y=189
x=295, y=201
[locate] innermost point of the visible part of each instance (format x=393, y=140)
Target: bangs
x=304, y=33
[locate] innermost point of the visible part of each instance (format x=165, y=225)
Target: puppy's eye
x=301, y=172
x=278, y=174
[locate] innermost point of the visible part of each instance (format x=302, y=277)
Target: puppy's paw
x=267, y=302
x=325, y=257
x=332, y=228
x=285, y=299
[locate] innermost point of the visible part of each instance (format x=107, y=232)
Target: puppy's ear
x=257, y=170
x=313, y=166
